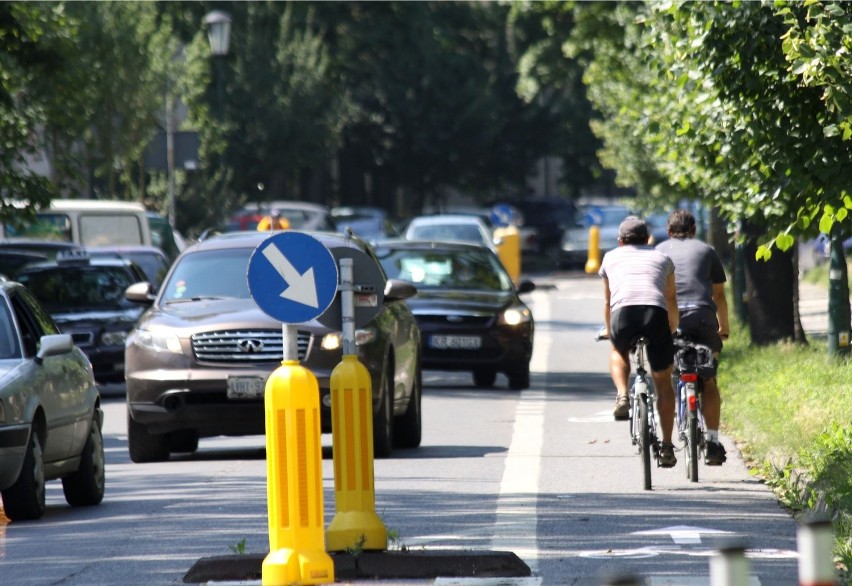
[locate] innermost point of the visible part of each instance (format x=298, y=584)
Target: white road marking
x=683, y=534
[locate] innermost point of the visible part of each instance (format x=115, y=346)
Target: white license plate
x=246, y=387
x=455, y=342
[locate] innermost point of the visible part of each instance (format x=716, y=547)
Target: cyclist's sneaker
x=622, y=408
x=667, y=458
x=715, y=454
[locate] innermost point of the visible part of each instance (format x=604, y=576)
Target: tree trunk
x=769, y=293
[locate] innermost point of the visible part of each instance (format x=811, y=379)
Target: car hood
x=84, y=317
x=219, y=314
x=455, y=301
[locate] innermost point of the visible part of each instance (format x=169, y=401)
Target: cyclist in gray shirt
x=700, y=280
x=640, y=300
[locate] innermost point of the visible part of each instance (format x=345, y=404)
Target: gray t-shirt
x=697, y=268
x=637, y=276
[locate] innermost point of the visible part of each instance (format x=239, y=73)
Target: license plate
x=455, y=342
x=246, y=387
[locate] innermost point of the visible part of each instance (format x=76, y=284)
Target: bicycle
x=643, y=398
x=692, y=363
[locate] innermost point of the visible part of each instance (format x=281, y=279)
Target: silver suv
x=197, y=362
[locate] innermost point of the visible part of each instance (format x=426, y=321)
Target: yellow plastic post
x=355, y=523
x=593, y=264
x=509, y=250
x=294, y=480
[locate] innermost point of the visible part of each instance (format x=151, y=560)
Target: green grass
x=789, y=408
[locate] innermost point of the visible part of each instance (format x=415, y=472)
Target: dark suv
x=549, y=216
x=85, y=297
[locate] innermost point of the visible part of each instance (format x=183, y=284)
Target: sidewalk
x=813, y=309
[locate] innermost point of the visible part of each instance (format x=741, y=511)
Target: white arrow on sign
x=300, y=288
x=682, y=534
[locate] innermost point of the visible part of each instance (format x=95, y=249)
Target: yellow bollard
x=355, y=524
x=509, y=250
x=593, y=264
x=294, y=480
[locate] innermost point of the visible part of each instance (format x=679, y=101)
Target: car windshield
x=462, y=232
x=74, y=288
x=209, y=273
x=446, y=269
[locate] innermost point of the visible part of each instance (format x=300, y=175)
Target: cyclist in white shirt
x=641, y=300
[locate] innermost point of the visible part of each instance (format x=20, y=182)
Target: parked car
x=368, y=223
x=575, y=241
x=150, y=259
x=203, y=334
x=470, y=314
x=451, y=228
x=547, y=217
x=50, y=414
x=85, y=297
x=300, y=215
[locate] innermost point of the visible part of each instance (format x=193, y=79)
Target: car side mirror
x=140, y=293
x=399, y=290
x=526, y=287
x=53, y=345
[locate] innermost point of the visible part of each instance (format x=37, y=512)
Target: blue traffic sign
x=292, y=277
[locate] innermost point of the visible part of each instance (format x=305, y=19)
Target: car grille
x=82, y=339
x=244, y=346
x=457, y=319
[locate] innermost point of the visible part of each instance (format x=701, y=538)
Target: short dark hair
x=633, y=230
x=681, y=224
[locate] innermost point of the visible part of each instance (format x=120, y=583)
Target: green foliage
x=238, y=548
x=357, y=548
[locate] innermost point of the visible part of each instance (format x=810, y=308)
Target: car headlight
x=334, y=340
x=515, y=316
x=113, y=338
x=157, y=342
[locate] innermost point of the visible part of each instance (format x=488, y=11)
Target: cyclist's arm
x=606, y=305
x=671, y=302
x=721, y=309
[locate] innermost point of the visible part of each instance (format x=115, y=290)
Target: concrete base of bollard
x=374, y=566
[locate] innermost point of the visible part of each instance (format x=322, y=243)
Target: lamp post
x=218, y=25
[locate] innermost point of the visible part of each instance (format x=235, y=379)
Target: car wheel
x=408, y=429
x=85, y=487
x=24, y=500
x=383, y=421
x=183, y=441
x=484, y=379
x=143, y=446
x=519, y=379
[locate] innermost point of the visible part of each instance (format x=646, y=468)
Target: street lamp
x=218, y=25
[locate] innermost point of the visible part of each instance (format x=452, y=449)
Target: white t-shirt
x=637, y=275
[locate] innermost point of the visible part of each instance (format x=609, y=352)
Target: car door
x=55, y=383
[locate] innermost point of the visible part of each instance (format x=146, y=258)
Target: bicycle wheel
x=692, y=448
x=645, y=441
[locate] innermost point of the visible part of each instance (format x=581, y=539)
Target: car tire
x=184, y=441
x=85, y=487
x=24, y=500
x=383, y=420
x=519, y=379
x=484, y=379
x=408, y=428
x=143, y=446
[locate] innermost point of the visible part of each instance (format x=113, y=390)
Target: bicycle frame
x=689, y=407
x=643, y=420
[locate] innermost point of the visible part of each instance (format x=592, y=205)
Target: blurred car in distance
x=50, y=413
x=198, y=359
x=150, y=259
x=164, y=237
x=368, y=223
x=470, y=314
x=451, y=228
x=575, y=240
x=545, y=217
x=85, y=298
x=15, y=253
x=301, y=215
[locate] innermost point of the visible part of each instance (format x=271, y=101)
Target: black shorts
x=627, y=323
x=701, y=326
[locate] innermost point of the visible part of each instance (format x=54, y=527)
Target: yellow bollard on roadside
x=593, y=264
x=297, y=552
x=355, y=524
x=509, y=250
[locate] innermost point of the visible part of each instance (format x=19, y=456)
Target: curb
x=370, y=565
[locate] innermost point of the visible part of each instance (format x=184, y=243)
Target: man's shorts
x=631, y=321
x=702, y=327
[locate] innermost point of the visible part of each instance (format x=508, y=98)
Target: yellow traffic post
x=593, y=264
x=355, y=523
x=297, y=552
x=509, y=250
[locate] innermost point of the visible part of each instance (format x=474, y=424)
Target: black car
x=549, y=216
x=469, y=312
x=85, y=297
